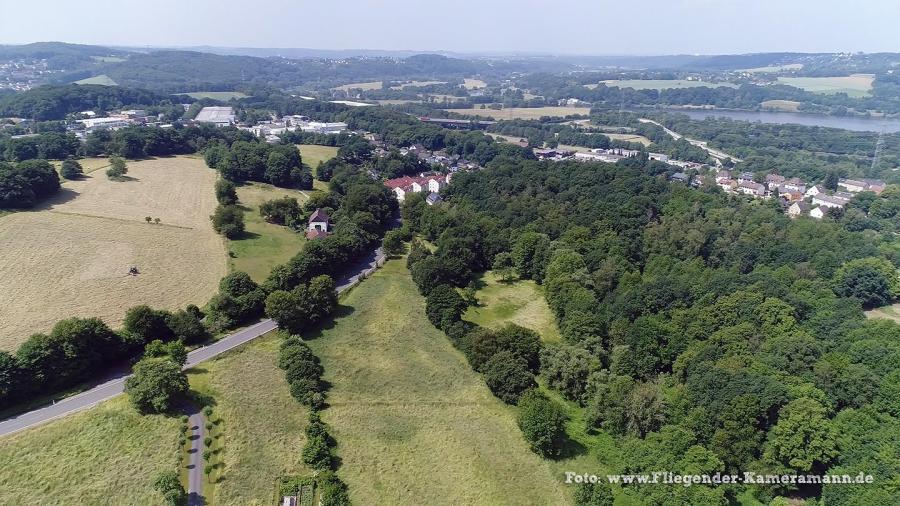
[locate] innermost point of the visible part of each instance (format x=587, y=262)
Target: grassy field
x=262, y=425
x=891, y=312
x=312, y=154
x=524, y=112
x=640, y=139
x=781, y=105
x=216, y=95
x=264, y=245
x=519, y=302
x=661, y=84
x=854, y=85
x=71, y=256
x=102, y=79
x=108, y=454
x=416, y=84
x=414, y=424
x=88, y=164
x=470, y=83
x=774, y=68
x=372, y=85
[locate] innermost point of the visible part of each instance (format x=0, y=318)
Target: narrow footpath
x=197, y=425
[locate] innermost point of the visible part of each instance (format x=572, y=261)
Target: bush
x=444, y=306
x=593, y=494
x=317, y=454
x=333, y=490
x=508, y=377
x=169, y=485
x=117, y=168
x=393, y=242
x=226, y=193
x=543, y=424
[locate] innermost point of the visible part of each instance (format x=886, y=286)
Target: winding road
x=115, y=385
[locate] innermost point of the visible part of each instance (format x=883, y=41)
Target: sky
x=583, y=27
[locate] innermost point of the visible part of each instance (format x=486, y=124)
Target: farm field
x=372, y=85
x=102, y=79
x=523, y=112
x=262, y=425
x=416, y=84
x=215, y=95
x=854, y=85
x=414, y=424
x=89, y=457
x=661, y=84
x=470, y=83
x=781, y=105
x=71, y=256
x=520, y=302
x=774, y=68
x=264, y=244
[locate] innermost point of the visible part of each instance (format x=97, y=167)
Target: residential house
x=319, y=223
x=828, y=201
x=745, y=177
x=433, y=198
x=751, y=188
x=680, y=177
x=818, y=213
x=798, y=209
x=774, y=180
x=815, y=190
x=795, y=184
x=852, y=185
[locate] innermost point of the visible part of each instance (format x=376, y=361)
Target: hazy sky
x=552, y=26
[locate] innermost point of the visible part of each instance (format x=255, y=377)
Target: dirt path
x=197, y=424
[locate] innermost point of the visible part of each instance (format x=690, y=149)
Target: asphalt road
x=197, y=424
x=116, y=384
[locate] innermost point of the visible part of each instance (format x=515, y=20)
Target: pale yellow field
x=524, y=112
x=71, y=257
x=629, y=138
x=373, y=85
x=474, y=84
x=854, y=85
x=88, y=164
x=781, y=105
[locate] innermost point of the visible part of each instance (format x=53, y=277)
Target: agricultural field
x=86, y=458
x=262, y=425
x=102, y=79
x=661, y=84
x=470, y=83
x=264, y=245
x=71, y=256
x=520, y=302
x=372, y=85
x=523, y=112
x=774, y=68
x=854, y=85
x=781, y=105
x=416, y=84
x=216, y=95
x=414, y=424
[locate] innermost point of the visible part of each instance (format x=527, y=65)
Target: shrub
x=543, y=424
x=71, y=169
x=508, y=377
x=226, y=193
x=228, y=221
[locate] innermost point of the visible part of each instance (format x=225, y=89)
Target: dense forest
x=705, y=333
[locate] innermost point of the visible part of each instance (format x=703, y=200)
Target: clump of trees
x=239, y=300
x=156, y=385
x=24, y=184
x=284, y=211
x=226, y=193
x=228, y=220
x=304, y=306
x=117, y=168
x=71, y=169
x=276, y=164
x=169, y=485
x=543, y=424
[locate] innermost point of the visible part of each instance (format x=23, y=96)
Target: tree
x=148, y=219
x=317, y=454
x=186, y=327
x=508, y=377
x=71, y=169
x=169, y=485
x=286, y=310
x=593, y=494
x=147, y=324
x=873, y=281
x=443, y=306
x=803, y=440
x=393, y=243
x=333, y=490
x=226, y=193
x=567, y=369
x=117, y=168
x=174, y=351
x=228, y=221
x=543, y=424
x=504, y=266
x=156, y=385
x=531, y=254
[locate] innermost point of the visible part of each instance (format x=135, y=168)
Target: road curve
x=116, y=385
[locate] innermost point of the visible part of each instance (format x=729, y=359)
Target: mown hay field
x=413, y=422
x=524, y=112
x=71, y=256
x=854, y=85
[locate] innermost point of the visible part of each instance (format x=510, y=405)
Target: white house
x=798, y=209
x=828, y=201
x=319, y=223
x=815, y=190
x=817, y=213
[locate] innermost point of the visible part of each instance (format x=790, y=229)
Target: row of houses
x=433, y=184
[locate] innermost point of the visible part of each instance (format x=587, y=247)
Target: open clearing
x=102, y=79
x=372, y=85
x=854, y=85
x=781, y=105
x=262, y=425
x=71, y=257
x=216, y=95
x=470, y=83
x=891, y=312
x=414, y=424
x=523, y=112
x=107, y=454
x=87, y=164
x=520, y=302
x=660, y=84
x=417, y=84
x=312, y=154
x=773, y=68
x=264, y=244
x=629, y=138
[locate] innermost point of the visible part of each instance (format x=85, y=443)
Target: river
x=858, y=124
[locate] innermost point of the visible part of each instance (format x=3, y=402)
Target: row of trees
x=277, y=164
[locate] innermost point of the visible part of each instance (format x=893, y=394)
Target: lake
x=857, y=124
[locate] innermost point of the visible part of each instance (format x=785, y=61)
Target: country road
x=116, y=385
x=721, y=155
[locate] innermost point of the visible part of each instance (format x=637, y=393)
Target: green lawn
x=312, y=154
x=414, y=424
x=108, y=454
x=264, y=245
x=262, y=425
x=520, y=302
x=854, y=85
